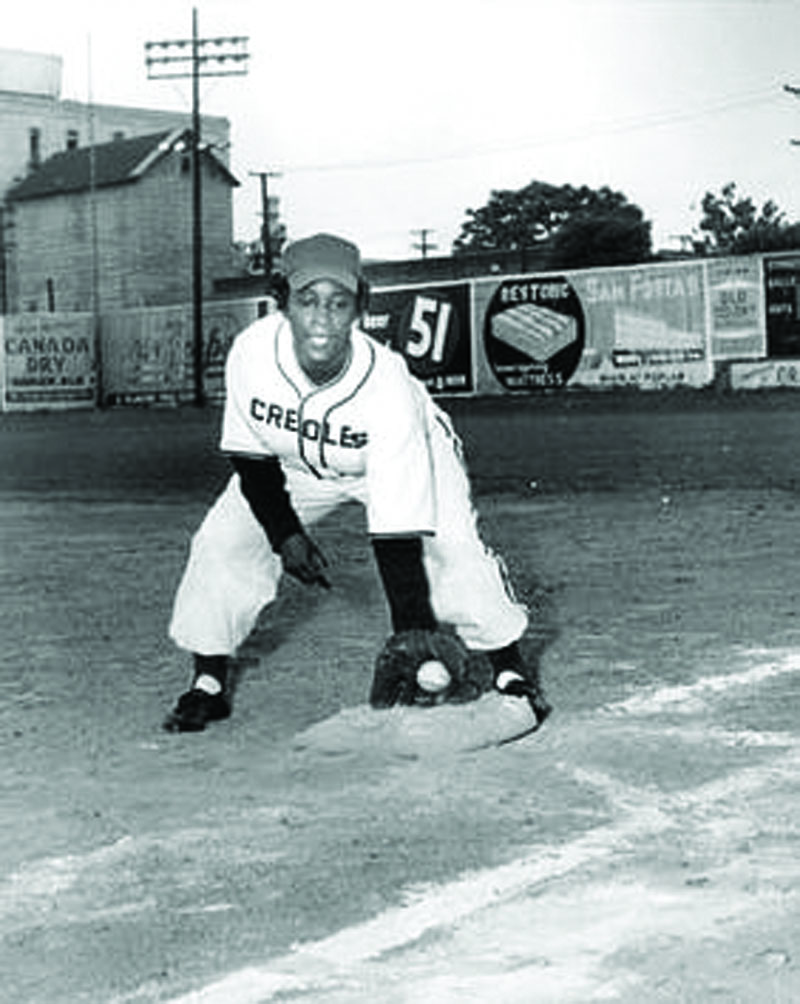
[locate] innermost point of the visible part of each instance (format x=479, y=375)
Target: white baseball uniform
x=373, y=434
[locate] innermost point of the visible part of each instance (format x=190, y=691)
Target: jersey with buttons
x=370, y=422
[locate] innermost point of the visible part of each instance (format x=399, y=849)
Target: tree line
x=581, y=227
x=578, y=227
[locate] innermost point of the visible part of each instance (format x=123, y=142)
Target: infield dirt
x=642, y=847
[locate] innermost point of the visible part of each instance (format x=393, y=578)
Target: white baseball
x=433, y=677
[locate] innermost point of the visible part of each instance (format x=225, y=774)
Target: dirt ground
x=642, y=847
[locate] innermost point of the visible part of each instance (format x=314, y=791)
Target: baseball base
x=412, y=731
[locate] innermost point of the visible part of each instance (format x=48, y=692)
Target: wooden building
x=111, y=226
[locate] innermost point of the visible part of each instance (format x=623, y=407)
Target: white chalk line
x=430, y=909
x=686, y=695
x=52, y=875
x=319, y=964
x=423, y=913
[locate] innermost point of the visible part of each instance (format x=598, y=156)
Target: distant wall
x=645, y=326
x=683, y=324
x=144, y=232
x=141, y=356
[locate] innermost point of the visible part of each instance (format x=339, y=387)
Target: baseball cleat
x=195, y=709
x=513, y=684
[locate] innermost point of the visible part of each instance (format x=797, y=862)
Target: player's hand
x=303, y=559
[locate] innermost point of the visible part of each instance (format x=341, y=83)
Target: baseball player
x=317, y=413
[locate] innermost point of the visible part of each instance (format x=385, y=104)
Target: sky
x=382, y=119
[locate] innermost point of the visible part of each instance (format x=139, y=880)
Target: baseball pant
x=233, y=573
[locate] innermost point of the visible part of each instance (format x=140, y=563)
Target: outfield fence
x=661, y=325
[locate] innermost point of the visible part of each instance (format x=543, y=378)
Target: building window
x=35, y=146
x=72, y=139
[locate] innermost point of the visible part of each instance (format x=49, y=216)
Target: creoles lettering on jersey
x=310, y=429
x=289, y=420
x=352, y=439
x=314, y=430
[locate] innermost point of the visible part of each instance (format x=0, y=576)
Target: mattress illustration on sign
x=538, y=332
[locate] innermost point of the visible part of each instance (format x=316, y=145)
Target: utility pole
x=266, y=234
x=197, y=57
x=424, y=244
x=97, y=333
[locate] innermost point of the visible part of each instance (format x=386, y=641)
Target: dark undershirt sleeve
x=263, y=484
x=405, y=582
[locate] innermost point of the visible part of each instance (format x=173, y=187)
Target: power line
x=655, y=121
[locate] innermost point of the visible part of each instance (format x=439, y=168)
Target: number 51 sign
x=430, y=326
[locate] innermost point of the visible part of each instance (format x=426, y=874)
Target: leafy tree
x=574, y=226
x=732, y=224
x=587, y=239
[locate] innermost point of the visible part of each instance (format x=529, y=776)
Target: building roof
x=116, y=163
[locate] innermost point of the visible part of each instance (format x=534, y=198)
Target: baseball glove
x=395, y=678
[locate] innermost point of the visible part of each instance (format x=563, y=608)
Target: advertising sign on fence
x=430, y=326
x=735, y=290
x=765, y=374
x=640, y=326
x=646, y=327
x=49, y=361
x=222, y=322
x=148, y=355
x=534, y=332
x=782, y=282
x=144, y=355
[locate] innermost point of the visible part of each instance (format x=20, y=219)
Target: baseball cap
x=322, y=256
